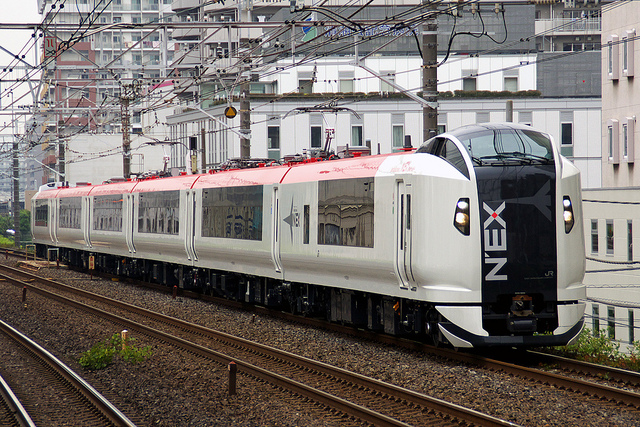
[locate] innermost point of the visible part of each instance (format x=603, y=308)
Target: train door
x=53, y=227
x=86, y=220
x=275, y=240
x=404, y=235
x=128, y=219
x=190, y=226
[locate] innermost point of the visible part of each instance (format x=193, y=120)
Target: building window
x=628, y=140
x=625, y=56
x=611, y=322
x=305, y=86
x=511, y=84
x=482, y=117
x=628, y=53
x=566, y=139
x=390, y=76
x=632, y=329
x=469, y=84
x=273, y=144
x=595, y=320
x=609, y=237
x=567, y=133
x=613, y=55
x=629, y=240
x=613, y=141
x=356, y=136
x=610, y=141
x=625, y=140
x=398, y=136
x=594, y=236
x=316, y=136
x=346, y=85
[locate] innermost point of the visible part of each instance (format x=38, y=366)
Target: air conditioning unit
x=569, y=4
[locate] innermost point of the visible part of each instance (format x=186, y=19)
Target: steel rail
x=457, y=411
x=608, y=372
x=100, y=402
x=18, y=411
x=581, y=386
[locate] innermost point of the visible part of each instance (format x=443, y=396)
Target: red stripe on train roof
x=183, y=182
x=114, y=188
x=356, y=167
x=243, y=177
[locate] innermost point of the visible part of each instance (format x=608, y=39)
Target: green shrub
x=602, y=350
x=101, y=355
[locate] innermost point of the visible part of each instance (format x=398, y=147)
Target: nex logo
x=495, y=240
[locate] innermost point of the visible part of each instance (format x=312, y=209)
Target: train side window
x=346, y=212
x=70, y=208
x=42, y=213
x=158, y=212
x=305, y=219
x=233, y=212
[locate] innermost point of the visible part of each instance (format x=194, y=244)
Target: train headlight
x=568, y=214
x=461, y=218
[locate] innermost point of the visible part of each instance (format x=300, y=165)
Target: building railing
x=564, y=26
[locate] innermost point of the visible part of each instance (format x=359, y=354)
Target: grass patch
x=598, y=348
x=102, y=354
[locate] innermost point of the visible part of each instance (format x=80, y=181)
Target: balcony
x=234, y=34
x=179, y=5
x=186, y=33
x=568, y=26
x=233, y=5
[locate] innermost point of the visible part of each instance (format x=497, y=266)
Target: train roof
x=355, y=167
x=113, y=188
x=183, y=182
x=243, y=177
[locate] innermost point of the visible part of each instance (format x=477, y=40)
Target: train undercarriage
x=378, y=313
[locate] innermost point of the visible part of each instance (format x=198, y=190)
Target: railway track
x=354, y=395
x=36, y=376
x=12, y=413
x=522, y=368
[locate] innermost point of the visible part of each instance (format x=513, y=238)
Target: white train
x=474, y=239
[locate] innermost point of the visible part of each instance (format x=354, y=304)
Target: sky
x=15, y=11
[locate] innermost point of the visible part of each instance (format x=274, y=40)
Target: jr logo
x=495, y=242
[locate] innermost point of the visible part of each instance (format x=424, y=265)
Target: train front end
x=528, y=220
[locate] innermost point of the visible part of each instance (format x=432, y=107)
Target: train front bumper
x=465, y=330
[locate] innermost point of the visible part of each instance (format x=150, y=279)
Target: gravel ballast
x=174, y=388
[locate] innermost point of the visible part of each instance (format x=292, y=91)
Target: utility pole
x=430, y=73
x=130, y=92
x=16, y=192
x=16, y=178
x=61, y=149
x=245, y=120
x=204, y=150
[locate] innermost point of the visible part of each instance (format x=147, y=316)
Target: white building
x=613, y=277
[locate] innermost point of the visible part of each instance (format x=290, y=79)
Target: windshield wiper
x=521, y=157
x=506, y=157
x=530, y=156
x=477, y=160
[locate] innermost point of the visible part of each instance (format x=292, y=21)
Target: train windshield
x=507, y=145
